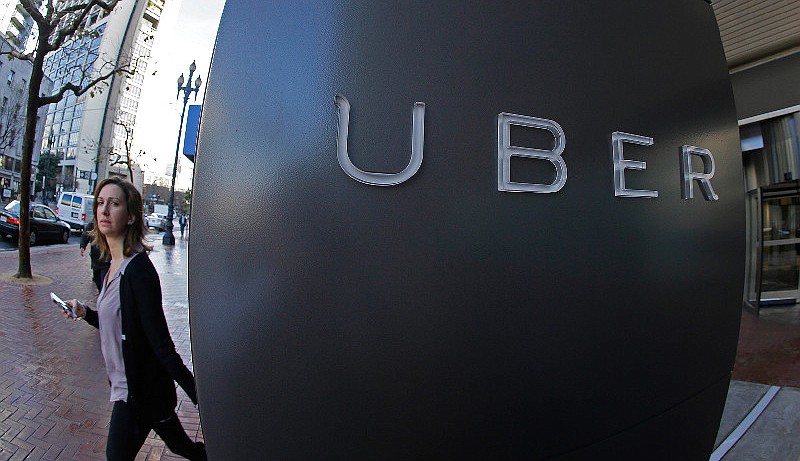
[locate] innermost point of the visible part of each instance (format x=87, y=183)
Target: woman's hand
x=78, y=308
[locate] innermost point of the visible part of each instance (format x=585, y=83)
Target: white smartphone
x=62, y=305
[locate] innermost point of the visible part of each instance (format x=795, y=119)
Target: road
x=7, y=245
x=75, y=238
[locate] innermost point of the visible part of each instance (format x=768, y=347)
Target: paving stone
x=54, y=392
x=53, y=387
x=769, y=348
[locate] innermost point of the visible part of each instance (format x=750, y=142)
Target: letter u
x=380, y=179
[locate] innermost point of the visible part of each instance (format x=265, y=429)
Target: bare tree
x=56, y=22
x=127, y=157
x=12, y=122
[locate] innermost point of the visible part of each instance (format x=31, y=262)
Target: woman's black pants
x=126, y=435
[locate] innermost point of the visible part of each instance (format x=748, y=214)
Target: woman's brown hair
x=135, y=232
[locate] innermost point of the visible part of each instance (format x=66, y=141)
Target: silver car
x=157, y=221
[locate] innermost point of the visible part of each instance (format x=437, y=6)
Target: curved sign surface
x=466, y=230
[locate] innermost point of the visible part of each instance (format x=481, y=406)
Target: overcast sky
x=186, y=32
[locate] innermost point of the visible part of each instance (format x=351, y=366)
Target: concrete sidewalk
x=760, y=422
x=767, y=415
x=54, y=393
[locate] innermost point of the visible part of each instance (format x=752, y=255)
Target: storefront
x=762, y=47
x=771, y=160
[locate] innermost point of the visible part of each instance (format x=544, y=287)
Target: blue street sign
x=192, y=130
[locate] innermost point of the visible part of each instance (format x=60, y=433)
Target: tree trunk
x=28, y=143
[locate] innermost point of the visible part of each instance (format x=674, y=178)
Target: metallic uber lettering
x=505, y=151
x=621, y=164
x=380, y=179
x=704, y=178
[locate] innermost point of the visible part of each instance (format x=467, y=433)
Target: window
x=76, y=77
x=10, y=77
x=48, y=214
x=134, y=91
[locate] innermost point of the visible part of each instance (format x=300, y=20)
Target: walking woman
x=139, y=354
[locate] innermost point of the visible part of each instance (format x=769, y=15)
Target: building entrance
x=774, y=258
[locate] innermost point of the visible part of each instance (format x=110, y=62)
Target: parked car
x=45, y=225
x=157, y=221
x=74, y=208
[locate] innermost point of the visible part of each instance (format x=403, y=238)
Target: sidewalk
x=55, y=407
x=760, y=422
x=53, y=387
x=765, y=416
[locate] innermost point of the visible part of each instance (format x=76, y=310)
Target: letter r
x=704, y=178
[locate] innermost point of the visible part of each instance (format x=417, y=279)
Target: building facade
x=15, y=23
x=14, y=77
x=762, y=47
x=92, y=134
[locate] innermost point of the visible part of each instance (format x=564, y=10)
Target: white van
x=75, y=208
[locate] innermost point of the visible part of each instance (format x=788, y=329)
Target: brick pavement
x=53, y=388
x=769, y=347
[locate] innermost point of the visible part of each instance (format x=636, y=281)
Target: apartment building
x=15, y=23
x=88, y=133
x=14, y=78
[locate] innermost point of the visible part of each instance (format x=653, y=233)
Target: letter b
x=505, y=151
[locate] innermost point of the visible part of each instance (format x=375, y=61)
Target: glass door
x=752, y=282
x=780, y=255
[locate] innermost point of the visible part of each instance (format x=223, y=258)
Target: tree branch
x=12, y=121
x=13, y=54
x=79, y=90
x=33, y=10
x=74, y=24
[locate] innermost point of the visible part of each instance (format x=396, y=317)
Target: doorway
x=773, y=267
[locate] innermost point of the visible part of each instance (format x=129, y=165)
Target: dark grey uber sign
x=466, y=230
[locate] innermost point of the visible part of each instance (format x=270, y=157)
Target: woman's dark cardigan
x=151, y=362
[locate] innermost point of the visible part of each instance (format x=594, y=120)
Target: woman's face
x=112, y=211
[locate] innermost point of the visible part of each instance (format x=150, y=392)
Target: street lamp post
x=168, y=238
